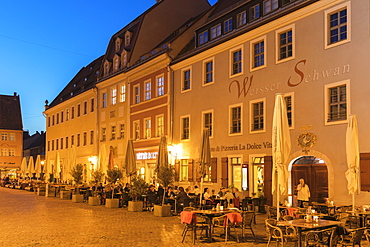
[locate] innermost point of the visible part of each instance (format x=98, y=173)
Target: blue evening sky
x=44, y=43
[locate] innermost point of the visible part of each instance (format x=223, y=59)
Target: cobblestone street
x=31, y=220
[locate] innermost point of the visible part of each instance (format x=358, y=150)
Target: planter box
x=41, y=191
x=135, y=206
x=111, y=203
x=50, y=192
x=78, y=198
x=94, y=201
x=162, y=211
x=65, y=195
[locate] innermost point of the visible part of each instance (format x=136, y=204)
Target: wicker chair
x=281, y=235
x=354, y=237
x=248, y=220
x=197, y=223
x=326, y=237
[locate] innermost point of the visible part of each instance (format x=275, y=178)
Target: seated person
x=207, y=194
x=152, y=195
x=126, y=189
x=222, y=192
x=229, y=196
x=196, y=190
x=181, y=196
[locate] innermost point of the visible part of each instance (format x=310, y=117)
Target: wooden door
x=267, y=176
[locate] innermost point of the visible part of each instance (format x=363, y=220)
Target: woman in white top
x=303, y=193
x=207, y=195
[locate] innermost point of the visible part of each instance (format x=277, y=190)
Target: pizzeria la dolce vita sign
x=240, y=146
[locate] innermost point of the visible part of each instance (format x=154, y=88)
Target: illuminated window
x=160, y=126
x=160, y=86
x=185, y=128
x=113, y=96
x=148, y=90
x=122, y=97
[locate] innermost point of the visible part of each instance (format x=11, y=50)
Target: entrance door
x=315, y=174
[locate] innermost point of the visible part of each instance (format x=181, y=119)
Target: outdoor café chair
x=192, y=223
x=280, y=235
x=354, y=237
x=325, y=237
x=248, y=220
x=228, y=223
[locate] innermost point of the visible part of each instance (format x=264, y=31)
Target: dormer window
x=127, y=38
x=116, y=64
x=124, y=58
x=106, y=67
x=85, y=79
x=118, y=44
x=74, y=85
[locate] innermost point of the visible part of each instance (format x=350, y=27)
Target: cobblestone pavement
x=31, y=220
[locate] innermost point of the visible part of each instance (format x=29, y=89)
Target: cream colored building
x=316, y=53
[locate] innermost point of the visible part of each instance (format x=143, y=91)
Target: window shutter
x=214, y=170
x=365, y=171
x=197, y=171
x=224, y=172
x=177, y=170
x=267, y=177
x=190, y=170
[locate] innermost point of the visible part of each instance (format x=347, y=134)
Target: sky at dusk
x=44, y=43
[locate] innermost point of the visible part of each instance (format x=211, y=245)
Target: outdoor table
x=210, y=214
x=364, y=215
x=302, y=225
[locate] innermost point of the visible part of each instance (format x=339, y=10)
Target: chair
x=228, y=222
x=152, y=200
x=193, y=223
x=248, y=220
x=354, y=237
x=271, y=212
x=281, y=235
x=288, y=217
x=326, y=237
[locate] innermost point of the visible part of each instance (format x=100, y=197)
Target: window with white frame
x=337, y=25
x=337, y=102
x=113, y=93
x=208, y=122
x=160, y=85
x=104, y=100
x=258, y=115
x=112, y=132
x=185, y=128
x=235, y=119
x=4, y=136
x=136, y=130
x=159, y=125
x=148, y=90
x=186, y=79
x=236, y=171
x=285, y=43
x=203, y=37
x=11, y=152
x=254, y=12
x=216, y=31
x=147, y=128
x=208, y=71
x=122, y=93
x=137, y=94
x=121, y=131
x=184, y=170
x=258, y=55
x=236, y=61
x=270, y=5
x=241, y=18
x=11, y=137
x=4, y=152
x=103, y=134
x=228, y=25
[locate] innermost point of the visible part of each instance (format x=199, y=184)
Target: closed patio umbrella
x=57, y=166
x=205, y=159
x=102, y=162
x=38, y=166
x=280, y=148
x=162, y=163
x=24, y=167
x=111, y=159
x=353, y=158
x=31, y=167
x=130, y=160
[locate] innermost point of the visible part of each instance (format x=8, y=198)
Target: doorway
x=315, y=173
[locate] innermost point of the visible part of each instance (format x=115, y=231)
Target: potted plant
x=76, y=173
x=113, y=175
x=165, y=175
x=96, y=178
x=138, y=187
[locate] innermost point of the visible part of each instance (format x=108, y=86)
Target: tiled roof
x=10, y=112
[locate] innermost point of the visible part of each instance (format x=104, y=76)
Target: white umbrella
x=38, y=166
x=280, y=148
x=353, y=158
x=71, y=163
x=47, y=169
x=162, y=161
x=205, y=159
x=102, y=163
x=24, y=167
x=31, y=167
x=130, y=160
x=57, y=168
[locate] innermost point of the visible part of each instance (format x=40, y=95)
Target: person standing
x=303, y=193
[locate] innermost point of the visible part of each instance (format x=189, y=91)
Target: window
x=104, y=98
x=122, y=97
x=72, y=112
x=78, y=110
x=285, y=44
x=72, y=140
x=11, y=137
x=289, y=109
x=91, y=137
x=337, y=25
x=67, y=142
x=48, y=121
x=184, y=170
x=11, y=152
x=208, y=122
x=103, y=134
x=258, y=53
x=337, y=102
x=254, y=12
x=208, y=72
x=236, y=120
x=203, y=37
x=137, y=94
x=121, y=131
x=113, y=132
x=160, y=126
x=270, y=5
x=61, y=143
x=67, y=114
x=78, y=140
x=185, y=128
x=186, y=79
x=236, y=172
x=228, y=25
x=4, y=152
x=92, y=105
x=85, y=107
x=52, y=145
x=61, y=116
x=57, y=118
x=160, y=86
x=136, y=130
x=53, y=120
x=236, y=62
x=84, y=141
x=56, y=144
x=147, y=128
x=148, y=90
x=48, y=145
x=216, y=31
x=113, y=96
x=258, y=116
x=241, y=18
x=4, y=136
